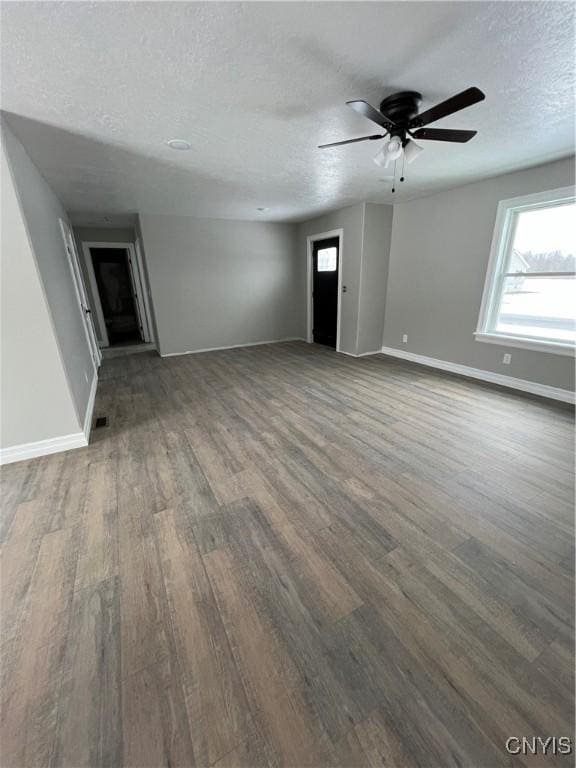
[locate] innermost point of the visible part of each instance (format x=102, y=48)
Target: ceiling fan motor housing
x=401, y=108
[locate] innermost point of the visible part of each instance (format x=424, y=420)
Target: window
x=530, y=293
x=327, y=259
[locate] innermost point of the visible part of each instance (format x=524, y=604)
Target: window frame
x=504, y=230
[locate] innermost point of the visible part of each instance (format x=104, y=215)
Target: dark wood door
x=325, y=266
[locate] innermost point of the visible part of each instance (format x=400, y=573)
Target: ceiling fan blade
x=352, y=141
x=454, y=104
x=363, y=108
x=444, y=134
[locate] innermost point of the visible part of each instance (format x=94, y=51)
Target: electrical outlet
x=404, y=338
x=507, y=359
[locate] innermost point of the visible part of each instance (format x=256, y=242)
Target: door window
x=327, y=259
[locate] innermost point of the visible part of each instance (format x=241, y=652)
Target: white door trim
x=84, y=304
x=136, y=267
x=104, y=342
x=142, y=291
x=310, y=240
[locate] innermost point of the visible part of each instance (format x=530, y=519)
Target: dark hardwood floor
x=283, y=556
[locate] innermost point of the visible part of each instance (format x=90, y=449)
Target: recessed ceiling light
x=179, y=144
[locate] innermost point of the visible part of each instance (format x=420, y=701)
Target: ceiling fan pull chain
x=403, y=161
x=394, y=180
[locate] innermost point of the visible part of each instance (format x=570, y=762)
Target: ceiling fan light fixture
x=394, y=148
x=400, y=117
x=381, y=158
x=391, y=151
x=411, y=151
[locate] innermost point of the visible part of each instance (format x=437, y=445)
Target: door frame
x=138, y=277
x=80, y=290
x=310, y=240
x=145, y=289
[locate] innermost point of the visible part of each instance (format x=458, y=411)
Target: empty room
x=288, y=322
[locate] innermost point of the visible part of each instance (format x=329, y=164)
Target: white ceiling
x=96, y=89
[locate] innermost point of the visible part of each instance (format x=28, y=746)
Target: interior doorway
x=117, y=284
x=116, y=295
x=324, y=282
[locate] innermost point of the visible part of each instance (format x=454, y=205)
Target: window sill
x=554, y=347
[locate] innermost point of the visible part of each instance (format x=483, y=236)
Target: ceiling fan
x=398, y=116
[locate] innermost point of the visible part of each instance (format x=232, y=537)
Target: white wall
x=41, y=398
x=218, y=283
x=439, y=255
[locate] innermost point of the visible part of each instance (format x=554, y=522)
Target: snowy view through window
x=538, y=297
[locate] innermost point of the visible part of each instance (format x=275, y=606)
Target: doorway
x=117, y=283
x=324, y=285
x=116, y=295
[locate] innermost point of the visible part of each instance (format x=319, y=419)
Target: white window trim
x=503, y=232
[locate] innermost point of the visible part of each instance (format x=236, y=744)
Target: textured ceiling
x=96, y=89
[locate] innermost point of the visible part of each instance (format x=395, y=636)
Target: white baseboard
x=232, y=346
x=554, y=393
x=361, y=354
x=54, y=444
x=42, y=448
x=90, y=407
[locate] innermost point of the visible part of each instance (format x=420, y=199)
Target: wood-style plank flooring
x=283, y=556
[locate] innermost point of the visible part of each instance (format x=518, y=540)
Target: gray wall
x=36, y=400
x=351, y=220
x=104, y=235
x=217, y=283
x=42, y=210
x=365, y=252
x=373, y=276
x=439, y=255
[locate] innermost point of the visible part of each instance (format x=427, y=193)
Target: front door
x=325, y=265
